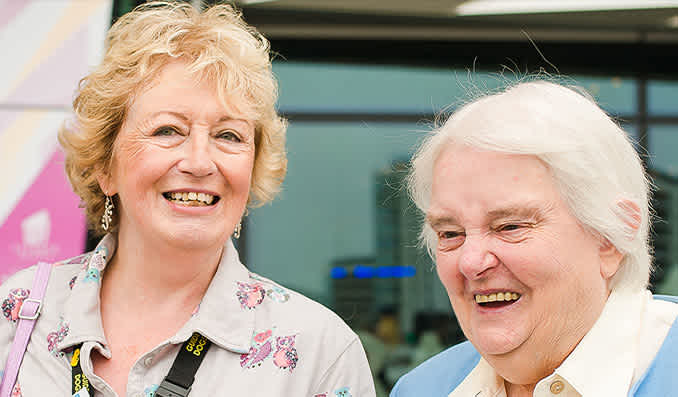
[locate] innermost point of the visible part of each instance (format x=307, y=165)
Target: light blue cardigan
x=442, y=373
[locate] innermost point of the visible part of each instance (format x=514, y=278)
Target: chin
x=496, y=342
x=195, y=239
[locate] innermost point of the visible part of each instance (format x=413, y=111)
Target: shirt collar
x=610, y=347
x=219, y=317
x=82, y=311
x=482, y=381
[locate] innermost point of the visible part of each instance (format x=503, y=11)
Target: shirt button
x=148, y=361
x=557, y=387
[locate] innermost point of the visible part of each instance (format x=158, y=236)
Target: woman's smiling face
x=182, y=163
x=524, y=277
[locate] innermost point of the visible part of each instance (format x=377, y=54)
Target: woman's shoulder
x=17, y=288
x=440, y=374
x=63, y=275
x=24, y=277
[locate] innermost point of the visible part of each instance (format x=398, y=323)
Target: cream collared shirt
x=266, y=340
x=610, y=358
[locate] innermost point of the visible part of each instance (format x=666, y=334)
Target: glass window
x=661, y=98
x=327, y=210
x=663, y=147
x=321, y=87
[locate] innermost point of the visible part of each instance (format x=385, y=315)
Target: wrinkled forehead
x=469, y=173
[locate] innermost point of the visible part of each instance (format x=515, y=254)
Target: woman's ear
x=105, y=182
x=629, y=212
x=610, y=258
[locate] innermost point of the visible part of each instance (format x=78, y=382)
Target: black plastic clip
x=169, y=389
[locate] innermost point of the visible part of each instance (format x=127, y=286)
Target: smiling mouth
x=499, y=299
x=191, y=199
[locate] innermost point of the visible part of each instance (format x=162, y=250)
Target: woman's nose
x=475, y=258
x=197, y=156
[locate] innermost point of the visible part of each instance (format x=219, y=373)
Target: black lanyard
x=80, y=381
x=178, y=381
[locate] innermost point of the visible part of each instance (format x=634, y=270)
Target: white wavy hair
x=591, y=159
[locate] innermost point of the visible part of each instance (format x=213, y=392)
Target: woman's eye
x=509, y=227
x=513, y=232
x=448, y=235
x=228, y=135
x=449, y=240
x=165, y=131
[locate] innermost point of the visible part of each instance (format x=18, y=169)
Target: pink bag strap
x=30, y=310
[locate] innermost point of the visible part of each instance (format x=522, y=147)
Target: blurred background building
x=361, y=82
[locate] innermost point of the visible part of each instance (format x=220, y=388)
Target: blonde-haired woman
x=175, y=134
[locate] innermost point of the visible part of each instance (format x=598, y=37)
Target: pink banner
x=52, y=44
x=45, y=225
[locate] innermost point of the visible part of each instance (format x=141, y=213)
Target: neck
x=145, y=272
x=524, y=367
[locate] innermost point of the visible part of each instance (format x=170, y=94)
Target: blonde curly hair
x=218, y=46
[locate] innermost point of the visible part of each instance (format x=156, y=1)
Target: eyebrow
x=521, y=211
x=185, y=118
x=171, y=113
x=436, y=221
x=534, y=212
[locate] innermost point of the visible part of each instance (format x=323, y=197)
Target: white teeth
x=497, y=297
x=192, y=196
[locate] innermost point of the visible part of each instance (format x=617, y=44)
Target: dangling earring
x=107, y=217
x=238, y=228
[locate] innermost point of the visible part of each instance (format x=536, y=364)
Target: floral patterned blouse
x=266, y=339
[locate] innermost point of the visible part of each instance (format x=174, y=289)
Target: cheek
x=243, y=173
x=146, y=167
x=238, y=172
x=532, y=262
x=448, y=272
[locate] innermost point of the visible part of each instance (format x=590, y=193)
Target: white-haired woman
x=536, y=208
x=175, y=133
